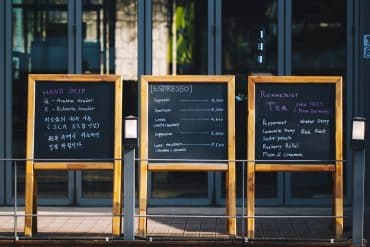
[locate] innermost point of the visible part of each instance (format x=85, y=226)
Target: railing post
x=15, y=200
x=358, y=197
x=129, y=193
x=358, y=147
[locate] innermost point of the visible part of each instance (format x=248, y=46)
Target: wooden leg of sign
x=35, y=202
x=250, y=199
x=143, y=193
x=338, y=200
x=29, y=200
x=117, y=198
x=231, y=199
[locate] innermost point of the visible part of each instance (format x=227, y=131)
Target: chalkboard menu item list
x=74, y=120
x=295, y=121
x=187, y=121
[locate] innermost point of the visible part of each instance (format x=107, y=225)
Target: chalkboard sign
x=187, y=121
x=295, y=121
x=295, y=124
x=74, y=120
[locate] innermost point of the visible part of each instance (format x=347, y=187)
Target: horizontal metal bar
x=247, y=161
x=58, y=215
x=239, y=216
x=61, y=159
x=176, y=160
x=174, y=216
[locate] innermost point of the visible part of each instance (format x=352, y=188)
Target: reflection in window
x=109, y=34
x=319, y=37
x=179, y=47
x=179, y=37
x=109, y=46
x=39, y=46
x=249, y=46
x=318, y=48
x=249, y=37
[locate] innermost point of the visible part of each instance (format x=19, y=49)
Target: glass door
x=39, y=45
x=179, y=31
x=318, y=48
x=109, y=46
x=249, y=47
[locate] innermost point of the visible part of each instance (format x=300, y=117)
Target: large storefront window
x=39, y=46
x=107, y=32
x=318, y=48
x=179, y=47
x=109, y=46
x=249, y=46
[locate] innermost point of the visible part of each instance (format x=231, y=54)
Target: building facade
x=177, y=37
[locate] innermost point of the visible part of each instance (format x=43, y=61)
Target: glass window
x=319, y=37
x=109, y=46
x=318, y=48
x=249, y=46
x=179, y=37
x=39, y=46
x=179, y=47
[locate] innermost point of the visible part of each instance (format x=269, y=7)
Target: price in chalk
x=217, y=119
x=217, y=133
x=195, y=119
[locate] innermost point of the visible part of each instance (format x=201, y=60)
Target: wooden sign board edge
x=146, y=166
x=336, y=169
x=31, y=179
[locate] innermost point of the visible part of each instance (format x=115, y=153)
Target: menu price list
x=187, y=121
x=74, y=120
x=295, y=122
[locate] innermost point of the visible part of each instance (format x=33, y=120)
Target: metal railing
x=129, y=216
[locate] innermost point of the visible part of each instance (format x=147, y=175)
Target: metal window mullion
x=281, y=55
x=281, y=37
x=144, y=12
x=78, y=36
x=141, y=38
x=356, y=60
x=72, y=69
x=75, y=177
x=148, y=38
x=71, y=36
x=214, y=30
x=9, y=97
x=288, y=37
x=211, y=27
x=218, y=37
x=287, y=66
x=349, y=85
x=211, y=37
x=2, y=100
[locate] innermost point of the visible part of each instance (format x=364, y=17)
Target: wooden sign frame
x=335, y=168
x=228, y=167
x=33, y=166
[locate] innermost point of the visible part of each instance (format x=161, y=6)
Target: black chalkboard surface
x=74, y=120
x=187, y=121
x=295, y=121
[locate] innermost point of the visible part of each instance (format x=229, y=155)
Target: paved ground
x=91, y=222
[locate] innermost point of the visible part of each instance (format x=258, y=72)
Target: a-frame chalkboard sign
x=295, y=125
x=187, y=123
x=74, y=123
